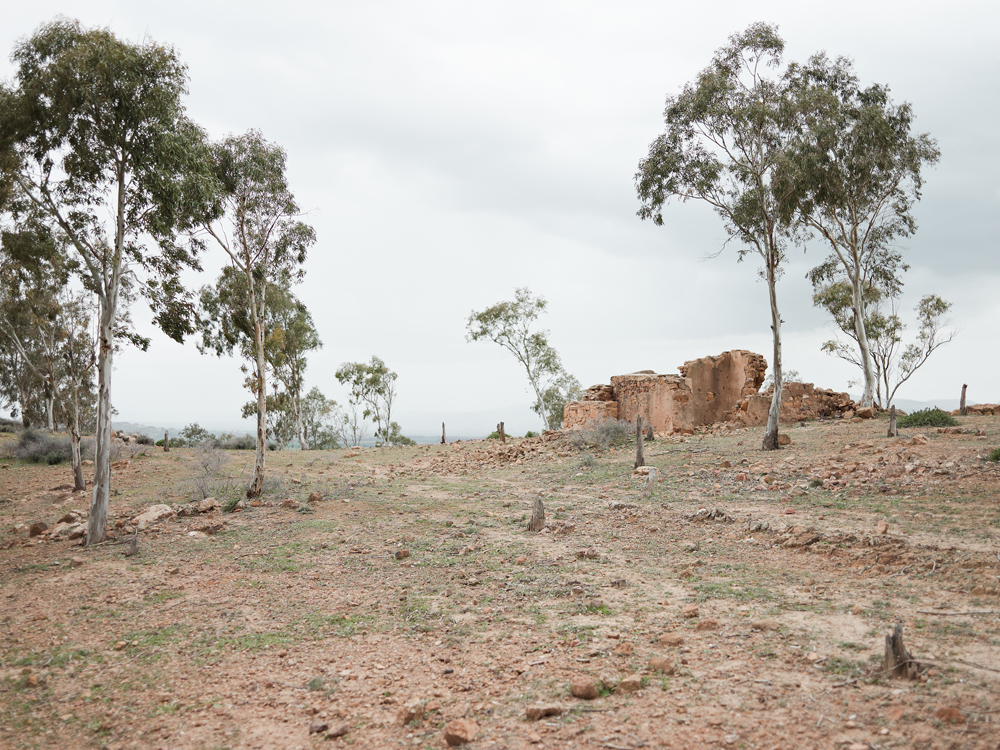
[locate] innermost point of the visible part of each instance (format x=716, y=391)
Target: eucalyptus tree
x=894, y=363
x=265, y=243
x=725, y=135
x=373, y=388
x=291, y=336
x=509, y=324
x=851, y=177
x=94, y=135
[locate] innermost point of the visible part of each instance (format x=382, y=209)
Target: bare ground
x=413, y=591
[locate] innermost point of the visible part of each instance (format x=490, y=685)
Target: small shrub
x=530, y=434
x=493, y=435
x=38, y=447
x=144, y=440
x=238, y=443
x=588, y=461
x=53, y=458
x=611, y=432
x=994, y=455
x=927, y=418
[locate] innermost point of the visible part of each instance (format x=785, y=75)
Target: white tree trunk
x=97, y=524
x=774, y=413
x=257, y=484
x=859, y=329
x=303, y=439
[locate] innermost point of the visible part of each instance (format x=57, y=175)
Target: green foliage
x=994, y=455
x=509, y=325
x=934, y=417
x=397, y=438
x=851, y=175
x=195, y=434
x=373, y=388
x=530, y=434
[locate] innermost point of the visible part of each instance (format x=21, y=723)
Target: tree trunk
x=79, y=483
x=893, y=432
x=303, y=438
x=868, y=397
x=503, y=435
x=963, y=411
x=257, y=483
x=166, y=442
x=640, y=460
x=774, y=413
x=898, y=661
x=443, y=440
x=97, y=524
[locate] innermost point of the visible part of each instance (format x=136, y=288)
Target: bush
x=144, y=440
x=994, y=455
x=530, y=434
x=238, y=443
x=927, y=418
x=39, y=447
x=194, y=434
x=611, y=432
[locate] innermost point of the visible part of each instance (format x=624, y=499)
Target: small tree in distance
x=893, y=363
x=509, y=325
x=373, y=387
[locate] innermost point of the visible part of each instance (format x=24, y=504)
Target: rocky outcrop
x=582, y=413
x=980, y=410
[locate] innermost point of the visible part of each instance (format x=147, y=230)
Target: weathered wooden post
x=639, y=458
x=537, y=522
x=443, y=441
x=898, y=661
x=893, y=432
x=503, y=435
x=962, y=410
x=166, y=442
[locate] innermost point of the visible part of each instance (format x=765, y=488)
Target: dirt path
x=412, y=592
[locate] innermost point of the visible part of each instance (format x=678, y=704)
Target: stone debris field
x=718, y=597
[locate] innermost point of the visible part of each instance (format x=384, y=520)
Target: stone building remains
x=725, y=388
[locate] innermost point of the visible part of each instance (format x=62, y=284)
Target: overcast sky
x=448, y=152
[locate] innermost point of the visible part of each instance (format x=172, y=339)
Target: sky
x=447, y=153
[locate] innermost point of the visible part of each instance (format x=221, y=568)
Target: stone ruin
x=707, y=391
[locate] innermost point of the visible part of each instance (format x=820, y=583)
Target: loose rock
x=534, y=713
x=630, y=684
x=460, y=732
x=583, y=686
x=690, y=611
x=661, y=664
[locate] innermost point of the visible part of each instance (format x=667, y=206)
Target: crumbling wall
x=662, y=400
x=719, y=383
x=799, y=401
x=579, y=414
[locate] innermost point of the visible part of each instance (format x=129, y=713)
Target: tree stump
x=166, y=442
x=898, y=661
x=647, y=488
x=443, y=441
x=649, y=433
x=962, y=410
x=893, y=432
x=537, y=522
x=503, y=435
x=640, y=460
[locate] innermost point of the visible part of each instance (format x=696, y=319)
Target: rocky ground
x=394, y=598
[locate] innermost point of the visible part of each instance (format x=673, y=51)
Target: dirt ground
x=410, y=601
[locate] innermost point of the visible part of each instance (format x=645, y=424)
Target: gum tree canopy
x=724, y=137
x=94, y=136
x=851, y=177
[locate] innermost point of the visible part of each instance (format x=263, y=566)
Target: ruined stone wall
x=662, y=400
x=719, y=383
x=579, y=414
x=799, y=401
